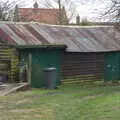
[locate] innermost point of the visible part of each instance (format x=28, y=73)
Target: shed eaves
x=77, y=39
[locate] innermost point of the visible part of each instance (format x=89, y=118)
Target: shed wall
x=40, y=60
x=74, y=67
x=77, y=67
x=8, y=64
x=112, y=66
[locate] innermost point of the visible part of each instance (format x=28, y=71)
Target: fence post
x=29, y=67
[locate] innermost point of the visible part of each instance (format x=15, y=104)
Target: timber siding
x=8, y=64
x=82, y=66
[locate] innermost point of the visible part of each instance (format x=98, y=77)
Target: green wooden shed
x=37, y=58
x=93, y=52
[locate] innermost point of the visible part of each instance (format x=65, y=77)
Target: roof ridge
x=93, y=26
x=42, y=8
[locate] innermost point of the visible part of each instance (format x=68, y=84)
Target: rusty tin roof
x=77, y=39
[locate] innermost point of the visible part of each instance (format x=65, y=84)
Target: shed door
x=41, y=60
x=112, y=66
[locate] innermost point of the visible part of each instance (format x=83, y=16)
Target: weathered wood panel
x=8, y=64
x=82, y=66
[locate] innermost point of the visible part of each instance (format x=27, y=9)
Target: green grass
x=70, y=102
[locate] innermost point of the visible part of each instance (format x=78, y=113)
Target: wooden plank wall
x=9, y=63
x=4, y=63
x=78, y=67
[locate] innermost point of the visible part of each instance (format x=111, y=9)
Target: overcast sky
x=85, y=8
x=92, y=9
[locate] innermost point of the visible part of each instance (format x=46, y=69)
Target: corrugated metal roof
x=78, y=39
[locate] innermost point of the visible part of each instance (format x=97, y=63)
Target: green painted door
x=41, y=60
x=112, y=66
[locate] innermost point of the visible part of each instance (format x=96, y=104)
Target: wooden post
x=29, y=67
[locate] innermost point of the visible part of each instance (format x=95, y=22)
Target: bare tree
x=16, y=14
x=112, y=12
x=7, y=8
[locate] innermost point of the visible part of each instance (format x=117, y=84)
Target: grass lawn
x=70, y=102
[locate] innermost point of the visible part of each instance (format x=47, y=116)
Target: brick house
x=43, y=15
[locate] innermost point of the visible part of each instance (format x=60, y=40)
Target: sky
x=90, y=9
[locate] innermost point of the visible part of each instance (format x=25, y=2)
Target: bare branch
x=67, y=4
x=113, y=12
x=6, y=8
